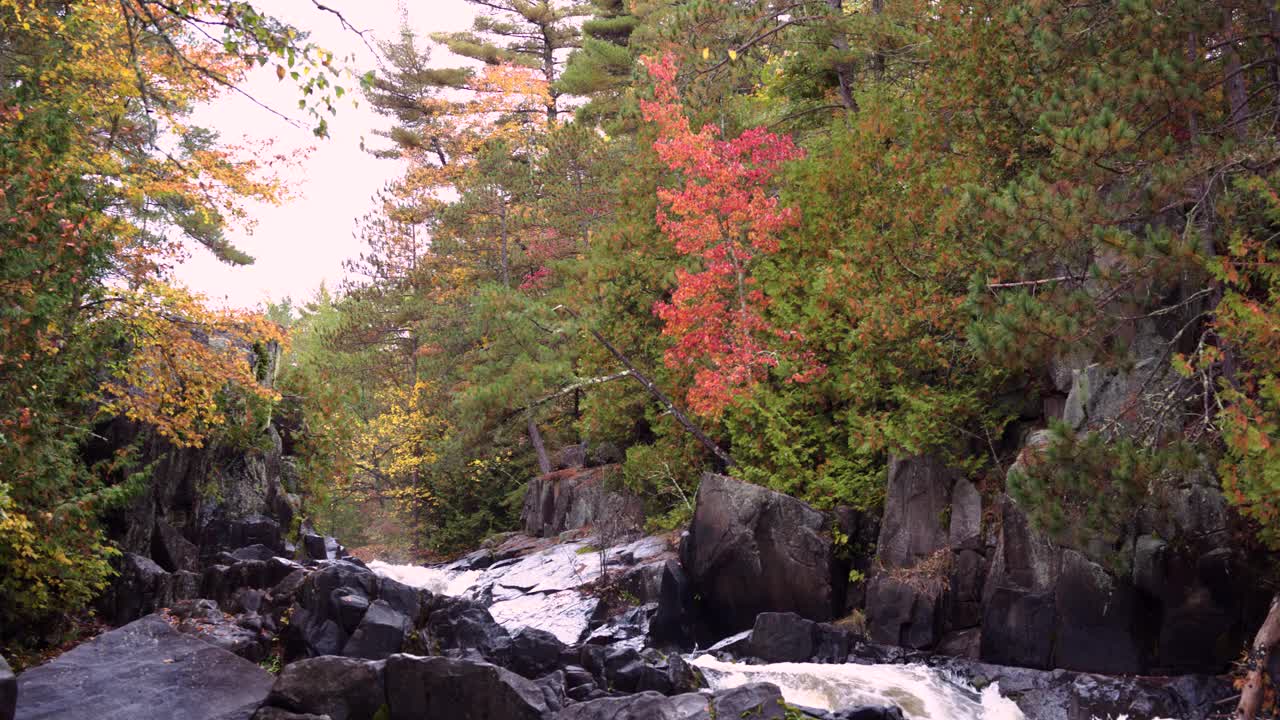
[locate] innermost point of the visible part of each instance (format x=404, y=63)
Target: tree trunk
x=1237, y=96
x=1253, y=692
x=843, y=68
x=535, y=437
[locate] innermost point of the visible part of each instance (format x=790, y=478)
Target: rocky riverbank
x=567, y=626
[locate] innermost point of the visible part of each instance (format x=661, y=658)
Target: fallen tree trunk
x=1253, y=692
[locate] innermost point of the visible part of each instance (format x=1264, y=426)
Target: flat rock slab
x=145, y=670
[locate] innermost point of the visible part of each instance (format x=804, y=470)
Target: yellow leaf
x=706, y=53
x=733, y=54
x=280, y=72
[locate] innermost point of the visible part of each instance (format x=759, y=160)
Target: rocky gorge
x=949, y=604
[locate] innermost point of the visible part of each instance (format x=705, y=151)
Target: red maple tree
x=724, y=214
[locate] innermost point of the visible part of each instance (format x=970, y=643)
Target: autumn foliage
x=725, y=215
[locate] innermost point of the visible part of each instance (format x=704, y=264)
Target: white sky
x=301, y=243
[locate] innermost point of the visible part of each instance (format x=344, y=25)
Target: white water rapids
x=921, y=692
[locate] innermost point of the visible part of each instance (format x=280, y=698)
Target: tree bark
x=535, y=437
x=1253, y=692
x=843, y=68
x=1237, y=95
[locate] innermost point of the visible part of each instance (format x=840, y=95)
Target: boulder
x=381, y=632
x=430, y=687
x=753, y=700
x=751, y=550
x=341, y=688
x=782, y=637
x=454, y=623
x=8, y=691
x=534, y=652
x=138, y=590
x=903, y=612
x=257, y=551
x=573, y=498
x=145, y=670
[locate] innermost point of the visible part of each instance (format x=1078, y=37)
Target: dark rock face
x=673, y=620
x=139, y=590
x=167, y=674
x=574, y=498
x=751, y=550
x=8, y=691
x=931, y=547
x=428, y=687
x=341, y=688
x=757, y=700
x=172, y=550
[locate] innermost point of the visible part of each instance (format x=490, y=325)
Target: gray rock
x=274, y=713
x=172, y=550
x=751, y=550
x=431, y=687
x=782, y=637
x=575, y=498
x=341, y=688
x=917, y=500
x=138, y=590
x=753, y=700
x=382, y=631
x=145, y=670
x=641, y=706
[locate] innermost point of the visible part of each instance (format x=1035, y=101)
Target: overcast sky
x=300, y=244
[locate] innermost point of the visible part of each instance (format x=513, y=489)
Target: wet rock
x=566, y=614
x=752, y=550
x=167, y=675
x=754, y=700
x=274, y=713
x=341, y=688
x=382, y=632
x=424, y=687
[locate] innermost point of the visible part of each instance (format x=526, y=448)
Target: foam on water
x=440, y=582
x=921, y=692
